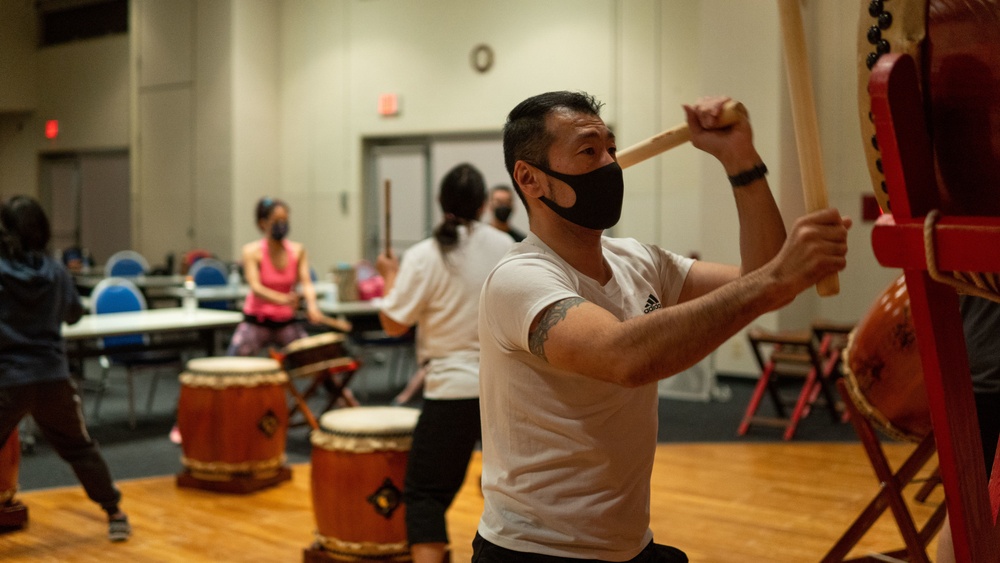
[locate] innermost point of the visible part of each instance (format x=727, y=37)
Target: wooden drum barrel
x=233, y=419
x=882, y=368
x=13, y=514
x=358, y=464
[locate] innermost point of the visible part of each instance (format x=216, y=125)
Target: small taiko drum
x=13, y=514
x=233, y=421
x=358, y=464
x=882, y=368
x=312, y=354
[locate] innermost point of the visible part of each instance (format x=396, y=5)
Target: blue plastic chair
x=210, y=272
x=119, y=295
x=126, y=263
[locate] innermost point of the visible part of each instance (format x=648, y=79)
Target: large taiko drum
x=956, y=45
x=358, y=463
x=882, y=368
x=233, y=419
x=313, y=354
x=12, y=512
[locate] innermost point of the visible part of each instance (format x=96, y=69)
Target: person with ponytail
x=37, y=295
x=436, y=288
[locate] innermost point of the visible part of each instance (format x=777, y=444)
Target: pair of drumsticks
x=803, y=116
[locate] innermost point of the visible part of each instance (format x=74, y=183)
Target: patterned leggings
x=249, y=339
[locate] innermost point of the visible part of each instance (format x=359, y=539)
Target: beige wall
x=17, y=61
x=234, y=99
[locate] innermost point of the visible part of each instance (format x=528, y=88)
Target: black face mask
x=502, y=212
x=599, y=195
x=279, y=231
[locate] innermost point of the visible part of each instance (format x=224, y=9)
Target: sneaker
x=119, y=529
x=175, y=435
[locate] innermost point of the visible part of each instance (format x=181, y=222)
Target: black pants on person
x=486, y=552
x=988, y=415
x=56, y=408
x=443, y=442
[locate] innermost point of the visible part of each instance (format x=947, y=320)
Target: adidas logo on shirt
x=652, y=304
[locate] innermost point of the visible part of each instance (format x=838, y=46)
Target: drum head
x=956, y=46
x=370, y=421
x=325, y=339
x=236, y=365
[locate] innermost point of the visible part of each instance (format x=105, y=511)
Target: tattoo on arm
x=548, y=319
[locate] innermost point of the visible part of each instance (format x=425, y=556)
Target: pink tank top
x=282, y=281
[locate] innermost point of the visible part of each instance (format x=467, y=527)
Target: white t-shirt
x=567, y=459
x=441, y=297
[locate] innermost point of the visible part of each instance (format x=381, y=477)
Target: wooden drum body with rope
x=13, y=514
x=882, y=368
x=358, y=464
x=956, y=45
x=233, y=420
x=930, y=75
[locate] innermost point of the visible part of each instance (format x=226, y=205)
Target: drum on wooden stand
x=882, y=368
x=233, y=419
x=13, y=514
x=358, y=464
x=312, y=354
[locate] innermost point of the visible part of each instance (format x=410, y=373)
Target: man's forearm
x=762, y=230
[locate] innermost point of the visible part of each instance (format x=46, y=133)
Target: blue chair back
x=126, y=263
x=118, y=295
x=210, y=272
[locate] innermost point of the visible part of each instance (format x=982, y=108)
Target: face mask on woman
x=279, y=231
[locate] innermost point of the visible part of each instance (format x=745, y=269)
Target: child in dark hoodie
x=37, y=295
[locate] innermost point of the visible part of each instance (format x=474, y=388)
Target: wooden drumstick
x=732, y=111
x=337, y=324
x=388, y=217
x=804, y=119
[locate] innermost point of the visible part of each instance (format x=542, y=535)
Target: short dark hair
x=266, y=205
x=463, y=192
x=501, y=188
x=24, y=228
x=525, y=136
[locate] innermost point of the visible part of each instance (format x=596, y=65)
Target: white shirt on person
x=440, y=295
x=567, y=459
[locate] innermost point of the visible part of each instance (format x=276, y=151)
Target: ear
x=529, y=178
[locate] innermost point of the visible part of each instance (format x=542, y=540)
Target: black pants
x=56, y=408
x=486, y=552
x=988, y=415
x=443, y=441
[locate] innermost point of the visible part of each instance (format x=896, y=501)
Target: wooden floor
x=718, y=502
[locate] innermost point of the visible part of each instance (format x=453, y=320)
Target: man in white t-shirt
x=575, y=329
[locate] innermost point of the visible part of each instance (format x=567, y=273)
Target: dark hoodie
x=36, y=296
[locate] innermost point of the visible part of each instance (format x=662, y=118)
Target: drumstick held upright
x=805, y=120
x=388, y=217
x=732, y=111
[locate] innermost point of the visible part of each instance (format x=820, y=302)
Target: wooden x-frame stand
x=963, y=244
x=890, y=495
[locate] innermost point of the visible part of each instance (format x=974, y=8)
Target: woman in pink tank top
x=274, y=267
